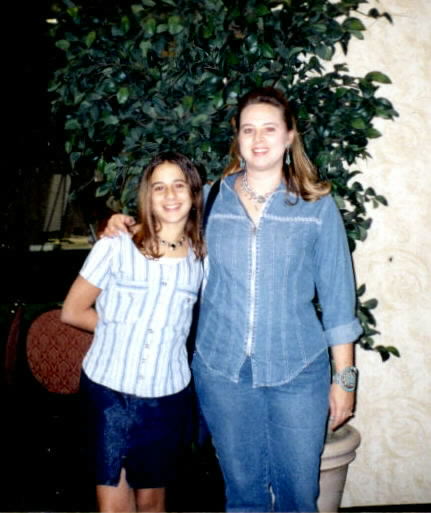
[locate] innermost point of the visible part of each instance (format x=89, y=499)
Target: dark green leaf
x=372, y=133
x=393, y=350
x=103, y=190
x=111, y=120
x=174, y=25
x=361, y=290
x=145, y=46
x=91, y=37
x=73, y=12
x=266, y=50
x=125, y=24
x=123, y=95
x=353, y=24
x=325, y=52
x=72, y=124
x=137, y=9
x=262, y=10
x=370, y=304
x=377, y=76
x=358, y=123
x=319, y=28
x=382, y=200
x=373, y=13
x=149, y=27
x=357, y=34
x=63, y=44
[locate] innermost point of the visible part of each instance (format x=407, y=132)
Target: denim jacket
x=261, y=282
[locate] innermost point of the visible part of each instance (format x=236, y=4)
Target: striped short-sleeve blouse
x=145, y=312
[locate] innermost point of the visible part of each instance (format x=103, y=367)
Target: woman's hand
x=118, y=223
x=341, y=402
x=341, y=405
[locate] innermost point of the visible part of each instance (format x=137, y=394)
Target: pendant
x=172, y=245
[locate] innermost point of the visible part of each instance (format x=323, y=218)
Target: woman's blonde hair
x=301, y=176
x=145, y=237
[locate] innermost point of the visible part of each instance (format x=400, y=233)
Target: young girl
x=136, y=374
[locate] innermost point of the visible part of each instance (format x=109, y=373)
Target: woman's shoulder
x=323, y=204
x=318, y=205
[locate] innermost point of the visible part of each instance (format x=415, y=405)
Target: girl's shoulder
x=111, y=245
x=110, y=242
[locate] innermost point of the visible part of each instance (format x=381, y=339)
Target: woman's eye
x=158, y=188
x=270, y=129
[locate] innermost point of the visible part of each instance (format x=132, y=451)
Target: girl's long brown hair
x=301, y=176
x=145, y=237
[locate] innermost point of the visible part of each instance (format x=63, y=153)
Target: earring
x=241, y=163
x=287, y=156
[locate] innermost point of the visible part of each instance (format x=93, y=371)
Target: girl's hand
x=341, y=404
x=118, y=223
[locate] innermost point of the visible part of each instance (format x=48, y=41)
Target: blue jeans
x=268, y=439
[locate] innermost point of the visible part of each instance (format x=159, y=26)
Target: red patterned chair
x=55, y=352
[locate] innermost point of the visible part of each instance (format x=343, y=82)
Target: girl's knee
x=150, y=500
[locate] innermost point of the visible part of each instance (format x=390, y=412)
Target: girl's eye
x=247, y=131
x=270, y=129
x=158, y=188
x=180, y=185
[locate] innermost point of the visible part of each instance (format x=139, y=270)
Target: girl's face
x=263, y=137
x=170, y=194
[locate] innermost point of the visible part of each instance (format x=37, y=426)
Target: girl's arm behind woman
x=78, y=309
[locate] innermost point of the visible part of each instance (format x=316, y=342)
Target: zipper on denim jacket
x=252, y=293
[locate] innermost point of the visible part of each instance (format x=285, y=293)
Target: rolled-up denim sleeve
x=334, y=278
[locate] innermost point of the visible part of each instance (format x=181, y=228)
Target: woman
x=261, y=367
x=136, y=374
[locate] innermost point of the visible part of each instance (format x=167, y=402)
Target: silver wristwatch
x=346, y=378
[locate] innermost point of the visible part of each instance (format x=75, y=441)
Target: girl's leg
x=235, y=414
x=297, y=426
x=150, y=499
x=116, y=499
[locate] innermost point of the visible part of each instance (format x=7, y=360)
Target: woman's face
x=263, y=137
x=170, y=194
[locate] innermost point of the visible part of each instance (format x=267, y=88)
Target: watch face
x=348, y=378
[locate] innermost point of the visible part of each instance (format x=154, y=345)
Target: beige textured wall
x=393, y=464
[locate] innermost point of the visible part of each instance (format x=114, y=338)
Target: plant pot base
x=340, y=450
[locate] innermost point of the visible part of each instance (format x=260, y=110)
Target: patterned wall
x=393, y=464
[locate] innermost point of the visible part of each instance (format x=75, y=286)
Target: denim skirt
x=145, y=436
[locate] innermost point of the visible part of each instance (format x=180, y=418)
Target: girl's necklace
x=258, y=199
x=172, y=245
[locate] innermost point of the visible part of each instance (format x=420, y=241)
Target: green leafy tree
x=154, y=75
